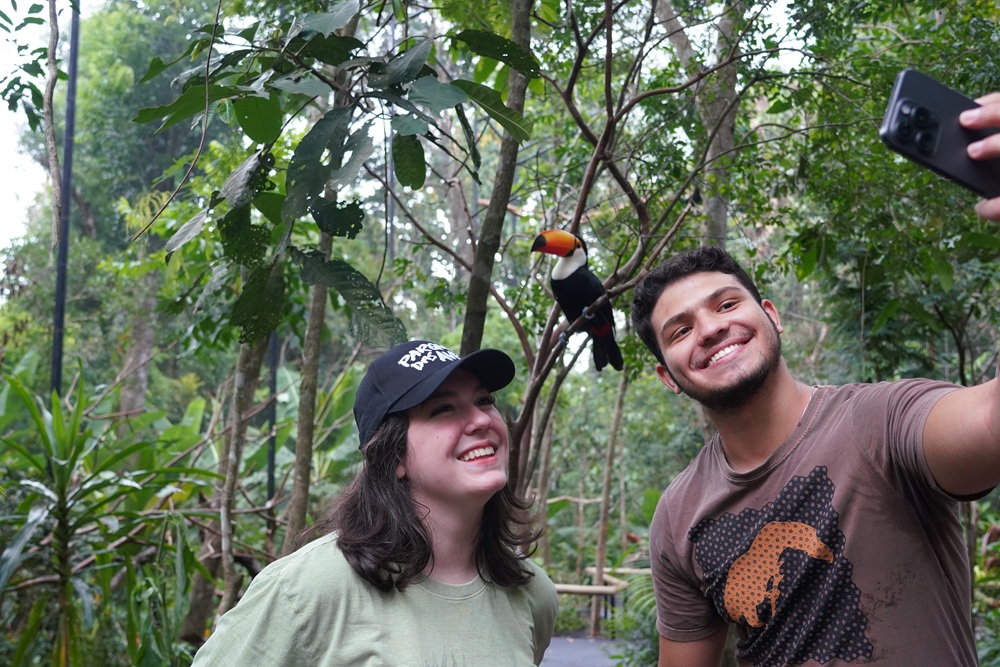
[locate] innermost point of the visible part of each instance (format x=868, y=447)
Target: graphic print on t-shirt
x=780, y=574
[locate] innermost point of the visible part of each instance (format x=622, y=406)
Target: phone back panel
x=921, y=123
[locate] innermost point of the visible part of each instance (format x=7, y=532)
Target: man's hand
x=986, y=116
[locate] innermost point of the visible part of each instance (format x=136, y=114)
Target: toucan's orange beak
x=555, y=242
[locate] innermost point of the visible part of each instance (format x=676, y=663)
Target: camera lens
x=905, y=131
x=923, y=118
x=925, y=142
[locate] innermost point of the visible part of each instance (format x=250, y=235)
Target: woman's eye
x=440, y=409
x=487, y=400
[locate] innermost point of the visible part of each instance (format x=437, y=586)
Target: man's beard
x=738, y=394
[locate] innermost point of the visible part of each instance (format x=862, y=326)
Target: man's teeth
x=478, y=453
x=721, y=353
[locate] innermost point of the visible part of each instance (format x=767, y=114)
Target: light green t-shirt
x=311, y=608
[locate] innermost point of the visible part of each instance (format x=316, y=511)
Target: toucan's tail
x=606, y=352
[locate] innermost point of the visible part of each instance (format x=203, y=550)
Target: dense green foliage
x=378, y=129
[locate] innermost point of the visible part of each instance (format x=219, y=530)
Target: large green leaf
x=301, y=84
x=890, y=309
x=372, y=321
x=157, y=65
x=408, y=161
x=243, y=242
x=402, y=103
x=306, y=173
x=29, y=633
x=260, y=117
x=13, y=554
x=261, y=305
x=438, y=96
x=331, y=50
x=326, y=22
x=404, y=68
x=470, y=140
x=236, y=190
x=188, y=231
x=42, y=420
x=409, y=125
x=489, y=100
x=25, y=372
x=269, y=204
x=358, y=148
x=191, y=102
x=336, y=219
x=494, y=46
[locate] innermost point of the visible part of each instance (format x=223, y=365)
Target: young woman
x=422, y=559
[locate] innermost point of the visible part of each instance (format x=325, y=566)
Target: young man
x=821, y=521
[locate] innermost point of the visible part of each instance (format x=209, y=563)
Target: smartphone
x=921, y=124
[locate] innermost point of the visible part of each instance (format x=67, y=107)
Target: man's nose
x=711, y=326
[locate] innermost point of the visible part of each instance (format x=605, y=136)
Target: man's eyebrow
x=708, y=299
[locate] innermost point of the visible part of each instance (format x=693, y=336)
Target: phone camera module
x=905, y=130
x=925, y=142
x=923, y=118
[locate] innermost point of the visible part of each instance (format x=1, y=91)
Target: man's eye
x=727, y=305
x=680, y=333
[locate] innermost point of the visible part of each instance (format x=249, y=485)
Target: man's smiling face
x=719, y=344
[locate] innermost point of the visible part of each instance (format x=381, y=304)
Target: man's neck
x=753, y=432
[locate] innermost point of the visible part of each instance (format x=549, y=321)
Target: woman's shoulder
x=537, y=570
x=540, y=586
x=315, y=566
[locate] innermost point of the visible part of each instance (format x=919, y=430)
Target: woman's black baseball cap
x=408, y=374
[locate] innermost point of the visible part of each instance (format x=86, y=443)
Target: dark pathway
x=578, y=652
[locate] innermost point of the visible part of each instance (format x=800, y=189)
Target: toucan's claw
x=586, y=313
x=563, y=338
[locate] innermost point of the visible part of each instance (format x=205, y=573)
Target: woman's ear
x=401, y=469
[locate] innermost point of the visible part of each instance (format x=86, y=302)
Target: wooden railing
x=611, y=587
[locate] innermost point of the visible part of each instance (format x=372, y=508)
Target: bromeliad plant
x=85, y=508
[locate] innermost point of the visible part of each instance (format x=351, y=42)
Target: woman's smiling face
x=456, y=444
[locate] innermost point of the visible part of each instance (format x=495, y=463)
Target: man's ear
x=666, y=378
x=772, y=313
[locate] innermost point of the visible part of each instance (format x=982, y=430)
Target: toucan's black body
x=575, y=289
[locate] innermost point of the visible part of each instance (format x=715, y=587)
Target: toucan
x=576, y=288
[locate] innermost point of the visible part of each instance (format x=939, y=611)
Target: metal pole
x=62, y=257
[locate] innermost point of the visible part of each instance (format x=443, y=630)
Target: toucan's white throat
x=567, y=265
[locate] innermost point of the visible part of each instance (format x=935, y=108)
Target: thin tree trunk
x=247, y=379
x=544, y=474
x=210, y=555
x=604, y=520
x=142, y=340
x=490, y=235
x=48, y=111
x=715, y=99
x=298, y=505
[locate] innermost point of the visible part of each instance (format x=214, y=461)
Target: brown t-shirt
x=840, y=549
